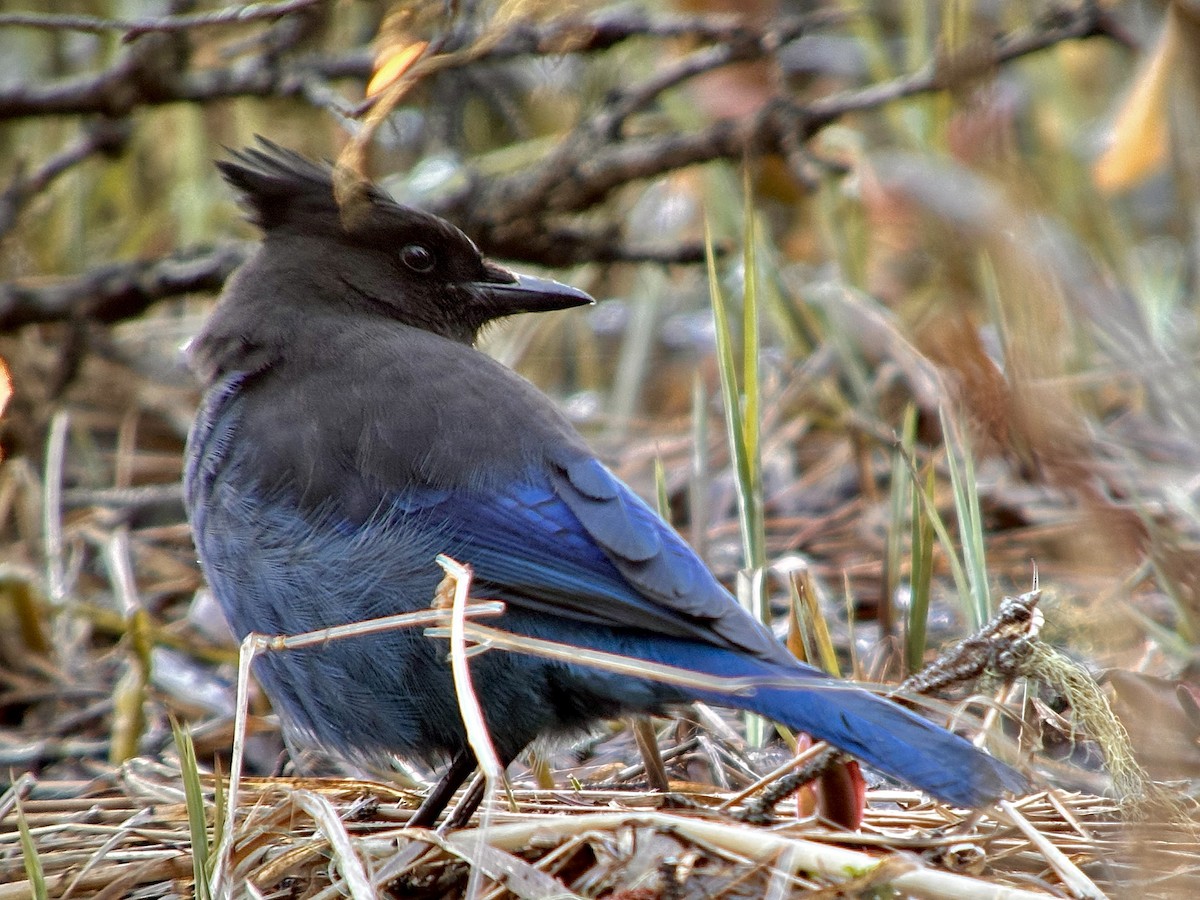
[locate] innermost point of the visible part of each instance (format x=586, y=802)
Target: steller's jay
x=350, y=432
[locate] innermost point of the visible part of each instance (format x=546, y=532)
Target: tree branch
x=119, y=291
x=118, y=89
x=521, y=216
x=102, y=136
x=588, y=165
x=1083, y=21
x=133, y=28
x=141, y=79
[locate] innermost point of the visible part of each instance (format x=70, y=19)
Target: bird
x=350, y=431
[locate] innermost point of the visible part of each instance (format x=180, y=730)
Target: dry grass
x=128, y=827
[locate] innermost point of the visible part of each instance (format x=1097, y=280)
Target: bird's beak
x=527, y=293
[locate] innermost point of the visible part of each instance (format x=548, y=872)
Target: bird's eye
x=417, y=257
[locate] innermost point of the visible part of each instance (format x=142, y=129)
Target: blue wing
x=575, y=542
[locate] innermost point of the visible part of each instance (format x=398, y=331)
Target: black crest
x=281, y=187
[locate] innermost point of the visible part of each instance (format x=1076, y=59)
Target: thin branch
x=119, y=291
x=1083, y=21
x=133, y=28
x=556, y=246
x=685, y=253
x=132, y=82
x=153, y=79
x=587, y=165
x=585, y=168
x=126, y=84
x=743, y=47
x=612, y=27
x=102, y=136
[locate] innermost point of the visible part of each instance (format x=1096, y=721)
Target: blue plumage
x=350, y=433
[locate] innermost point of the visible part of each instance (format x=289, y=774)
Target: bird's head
x=371, y=252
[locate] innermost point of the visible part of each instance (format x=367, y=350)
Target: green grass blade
x=742, y=425
x=904, y=508
x=970, y=522
x=751, y=399
x=193, y=793
x=921, y=578
x=29, y=854
x=660, y=489
x=899, y=501
x=752, y=490
x=929, y=510
x=731, y=395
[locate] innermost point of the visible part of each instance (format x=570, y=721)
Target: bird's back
x=357, y=406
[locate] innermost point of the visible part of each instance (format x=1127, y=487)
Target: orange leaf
x=392, y=63
x=1139, y=133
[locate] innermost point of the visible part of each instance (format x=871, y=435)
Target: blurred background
x=955, y=247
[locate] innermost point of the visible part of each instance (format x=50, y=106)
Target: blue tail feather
x=891, y=739
x=886, y=736
x=881, y=733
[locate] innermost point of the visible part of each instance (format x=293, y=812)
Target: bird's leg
x=461, y=767
x=462, y=813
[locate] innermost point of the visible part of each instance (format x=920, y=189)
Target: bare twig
x=102, y=136
x=584, y=169
x=132, y=28
x=119, y=291
x=154, y=78
x=1068, y=24
x=123, y=86
x=739, y=46
x=589, y=164
x=120, y=88
x=612, y=27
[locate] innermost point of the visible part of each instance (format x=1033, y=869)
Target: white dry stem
x=766, y=847
x=222, y=880
x=478, y=738
x=330, y=824
x=424, y=618
x=118, y=560
x=56, y=448
x=1072, y=876
x=488, y=638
